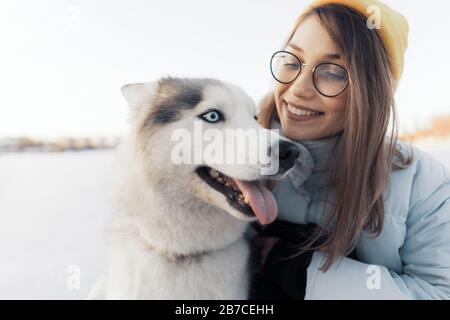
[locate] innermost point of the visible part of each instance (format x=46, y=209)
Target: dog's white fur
x=174, y=237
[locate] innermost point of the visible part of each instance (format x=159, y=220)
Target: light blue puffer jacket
x=411, y=257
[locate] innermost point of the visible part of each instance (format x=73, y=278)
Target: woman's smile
x=300, y=113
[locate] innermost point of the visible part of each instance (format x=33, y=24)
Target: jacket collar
x=313, y=159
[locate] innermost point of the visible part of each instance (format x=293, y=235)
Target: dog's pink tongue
x=261, y=200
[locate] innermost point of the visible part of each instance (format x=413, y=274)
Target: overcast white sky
x=62, y=62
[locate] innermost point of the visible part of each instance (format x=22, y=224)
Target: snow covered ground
x=54, y=207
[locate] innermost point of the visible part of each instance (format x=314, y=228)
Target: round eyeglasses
x=329, y=79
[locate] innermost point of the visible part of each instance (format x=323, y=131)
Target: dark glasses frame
x=314, y=68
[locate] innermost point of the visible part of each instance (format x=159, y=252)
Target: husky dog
x=179, y=228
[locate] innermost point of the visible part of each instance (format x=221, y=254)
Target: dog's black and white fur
x=174, y=236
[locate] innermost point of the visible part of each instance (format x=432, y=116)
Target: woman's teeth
x=302, y=113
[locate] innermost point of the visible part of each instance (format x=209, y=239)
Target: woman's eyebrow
x=334, y=56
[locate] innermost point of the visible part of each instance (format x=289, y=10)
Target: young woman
x=382, y=207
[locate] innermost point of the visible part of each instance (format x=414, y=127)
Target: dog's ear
x=139, y=94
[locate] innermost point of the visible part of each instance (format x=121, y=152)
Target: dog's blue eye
x=212, y=116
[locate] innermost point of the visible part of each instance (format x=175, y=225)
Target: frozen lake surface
x=54, y=208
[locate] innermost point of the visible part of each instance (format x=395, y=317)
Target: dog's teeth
x=246, y=200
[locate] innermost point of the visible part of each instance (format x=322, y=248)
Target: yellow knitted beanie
x=393, y=28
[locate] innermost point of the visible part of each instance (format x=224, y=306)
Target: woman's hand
x=267, y=238
x=264, y=245
x=281, y=276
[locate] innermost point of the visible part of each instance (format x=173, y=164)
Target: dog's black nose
x=283, y=157
x=289, y=152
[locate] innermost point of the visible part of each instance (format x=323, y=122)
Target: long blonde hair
x=363, y=159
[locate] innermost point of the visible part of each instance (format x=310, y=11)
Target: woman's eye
x=334, y=76
x=212, y=116
x=292, y=66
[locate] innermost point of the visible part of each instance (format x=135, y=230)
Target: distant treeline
x=439, y=128
x=27, y=144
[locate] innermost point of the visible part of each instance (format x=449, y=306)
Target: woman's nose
x=303, y=86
